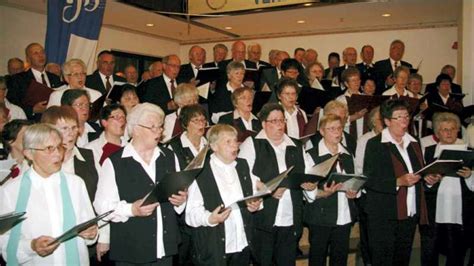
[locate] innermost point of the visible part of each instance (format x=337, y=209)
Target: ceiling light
x=386, y=15
x=308, y=4
x=300, y=21
x=228, y=28
x=150, y=25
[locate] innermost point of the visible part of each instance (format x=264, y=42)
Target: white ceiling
x=348, y=17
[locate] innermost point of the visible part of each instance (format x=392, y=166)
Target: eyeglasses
x=118, y=117
x=77, y=75
x=333, y=129
x=199, y=121
x=50, y=149
x=401, y=117
x=447, y=129
x=276, y=121
x=152, y=128
x=82, y=105
x=289, y=94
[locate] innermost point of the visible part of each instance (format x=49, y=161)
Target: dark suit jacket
x=17, y=85
x=270, y=77
x=156, y=92
x=453, y=105
x=220, y=101
x=366, y=71
x=186, y=73
x=455, y=88
x=263, y=64
x=94, y=81
x=383, y=69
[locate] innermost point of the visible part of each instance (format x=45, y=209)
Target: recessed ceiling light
x=228, y=28
x=386, y=15
x=308, y=4
x=300, y=21
x=150, y=24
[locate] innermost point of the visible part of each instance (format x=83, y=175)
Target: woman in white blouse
x=54, y=202
x=446, y=202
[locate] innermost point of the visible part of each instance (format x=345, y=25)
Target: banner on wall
x=73, y=30
x=221, y=6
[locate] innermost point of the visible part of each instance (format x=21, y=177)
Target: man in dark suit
x=333, y=62
x=254, y=53
x=103, y=79
x=220, y=53
x=442, y=100
x=384, y=68
x=36, y=76
x=349, y=56
x=160, y=90
x=451, y=71
x=299, y=54
x=270, y=76
x=366, y=67
x=189, y=71
x=238, y=55
x=131, y=75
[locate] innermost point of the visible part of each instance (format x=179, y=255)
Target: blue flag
x=73, y=29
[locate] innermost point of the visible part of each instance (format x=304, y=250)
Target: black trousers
x=184, y=257
x=277, y=247
x=391, y=240
x=448, y=239
x=165, y=261
x=239, y=258
x=334, y=238
x=363, y=234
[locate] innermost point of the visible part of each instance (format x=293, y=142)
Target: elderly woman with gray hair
x=140, y=234
x=54, y=201
x=449, y=210
x=74, y=72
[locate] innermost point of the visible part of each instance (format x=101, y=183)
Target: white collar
x=167, y=79
x=129, y=151
x=287, y=141
x=237, y=115
x=39, y=181
x=220, y=163
x=37, y=72
x=77, y=154
x=387, y=138
x=229, y=88
x=323, y=149
x=392, y=62
x=187, y=143
x=88, y=128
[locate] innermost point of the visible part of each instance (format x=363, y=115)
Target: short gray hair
x=215, y=131
x=139, y=112
x=73, y=62
x=439, y=118
x=183, y=90
x=234, y=66
x=39, y=133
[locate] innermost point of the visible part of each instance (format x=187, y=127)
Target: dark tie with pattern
x=173, y=88
x=108, y=86
x=43, y=80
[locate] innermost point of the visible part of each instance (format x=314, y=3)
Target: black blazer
x=366, y=72
x=186, y=73
x=94, y=81
x=453, y=105
x=18, y=84
x=156, y=91
x=220, y=101
x=383, y=69
x=269, y=76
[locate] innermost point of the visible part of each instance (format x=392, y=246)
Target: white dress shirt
x=359, y=122
x=392, y=91
x=44, y=216
x=427, y=141
x=292, y=122
x=38, y=78
x=96, y=146
x=449, y=197
x=247, y=124
x=15, y=111
x=360, y=151
x=68, y=165
x=230, y=190
x=411, y=191
x=55, y=97
x=168, y=84
x=107, y=195
x=284, y=214
x=343, y=210
x=187, y=143
x=83, y=139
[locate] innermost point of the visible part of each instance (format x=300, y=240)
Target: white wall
x=433, y=45
x=18, y=28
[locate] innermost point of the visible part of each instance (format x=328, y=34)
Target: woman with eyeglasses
x=186, y=94
x=242, y=118
x=399, y=89
x=395, y=194
x=279, y=223
x=287, y=92
x=330, y=213
x=113, y=119
x=79, y=100
x=450, y=210
x=74, y=73
x=54, y=201
x=12, y=140
x=140, y=234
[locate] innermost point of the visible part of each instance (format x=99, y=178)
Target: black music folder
x=76, y=230
x=442, y=167
x=9, y=220
x=358, y=102
x=315, y=174
x=206, y=75
x=467, y=157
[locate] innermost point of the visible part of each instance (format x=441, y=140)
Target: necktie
x=43, y=80
x=173, y=88
x=396, y=64
x=108, y=86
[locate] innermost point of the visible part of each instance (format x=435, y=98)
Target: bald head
x=254, y=52
x=171, y=65
x=349, y=55
x=238, y=51
x=197, y=55
x=310, y=57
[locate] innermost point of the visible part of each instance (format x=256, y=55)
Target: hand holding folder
x=9, y=220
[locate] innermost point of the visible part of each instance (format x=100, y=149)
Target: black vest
x=184, y=155
x=87, y=171
x=324, y=211
x=135, y=240
x=266, y=168
x=209, y=242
